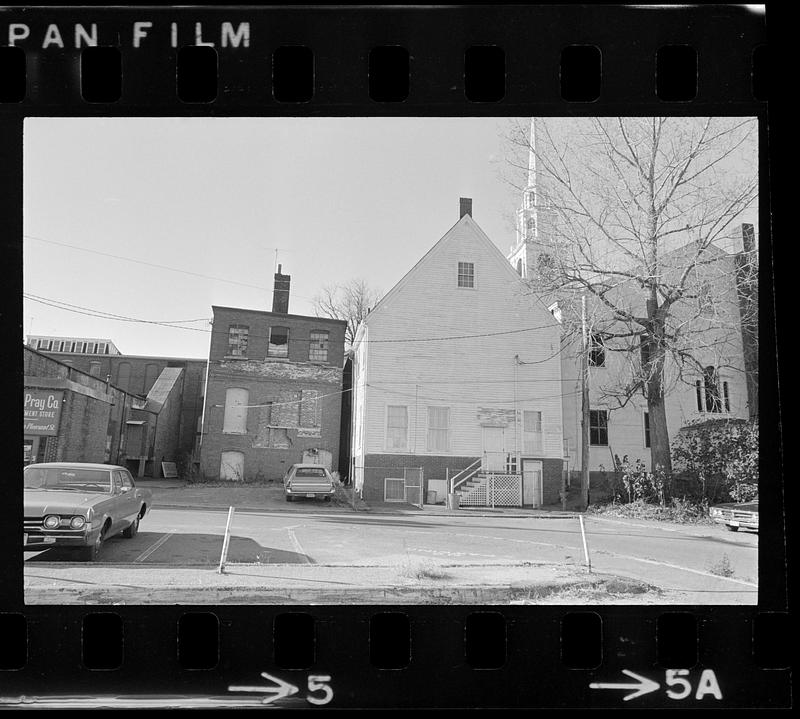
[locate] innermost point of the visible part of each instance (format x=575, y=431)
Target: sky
x=339, y=198
x=157, y=219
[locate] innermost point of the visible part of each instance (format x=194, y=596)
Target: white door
x=531, y=483
x=494, y=453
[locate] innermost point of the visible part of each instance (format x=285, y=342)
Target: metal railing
x=468, y=473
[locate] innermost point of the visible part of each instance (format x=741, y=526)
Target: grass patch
x=678, y=511
x=422, y=569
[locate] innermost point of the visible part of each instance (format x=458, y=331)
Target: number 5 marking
x=319, y=683
x=675, y=677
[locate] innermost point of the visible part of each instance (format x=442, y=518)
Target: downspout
x=205, y=392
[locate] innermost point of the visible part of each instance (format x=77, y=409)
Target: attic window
x=466, y=274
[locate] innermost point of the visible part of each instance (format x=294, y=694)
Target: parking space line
x=298, y=548
x=147, y=552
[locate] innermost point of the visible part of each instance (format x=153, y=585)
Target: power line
x=58, y=304
x=117, y=318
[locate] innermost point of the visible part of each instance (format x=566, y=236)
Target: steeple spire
x=532, y=156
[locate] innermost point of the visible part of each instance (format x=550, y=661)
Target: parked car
x=80, y=505
x=736, y=515
x=308, y=480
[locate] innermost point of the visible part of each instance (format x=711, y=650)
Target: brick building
x=137, y=375
x=274, y=390
x=70, y=415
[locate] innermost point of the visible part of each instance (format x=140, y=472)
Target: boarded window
x=237, y=340
x=396, y=427
x=466, y=274
x=310, y=408
x=531, y=432
x=318, y=346
x=278, y=342
x=231, y=466
x=438, y=429
x=598, y=427
x=279, y=438
x=94, y=369
x=235, y=420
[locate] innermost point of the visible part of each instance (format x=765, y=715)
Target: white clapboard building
x=457, y=383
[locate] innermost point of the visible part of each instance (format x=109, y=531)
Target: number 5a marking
x=319, y=683
x=682, y=687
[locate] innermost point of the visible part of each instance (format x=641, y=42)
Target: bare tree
x=350, y=301
x=632, y=213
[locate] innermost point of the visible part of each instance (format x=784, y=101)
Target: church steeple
x=521, y=255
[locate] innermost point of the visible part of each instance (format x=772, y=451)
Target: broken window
x=466, y=274
x=318, y=346
x=237, y=340
x=598, y=427
x=278, y=342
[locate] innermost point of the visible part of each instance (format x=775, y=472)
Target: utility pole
x=584, y=503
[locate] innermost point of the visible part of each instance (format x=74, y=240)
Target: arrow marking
x=283, y=689
x=642, y=686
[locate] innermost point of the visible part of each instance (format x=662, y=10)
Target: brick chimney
x=465, y=207
x=280, y=293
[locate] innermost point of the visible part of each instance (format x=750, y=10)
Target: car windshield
x=310, y=472
x=67, y=478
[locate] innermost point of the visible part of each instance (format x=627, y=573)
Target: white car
x=308, y=480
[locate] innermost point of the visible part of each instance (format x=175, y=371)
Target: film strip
x=471, y=649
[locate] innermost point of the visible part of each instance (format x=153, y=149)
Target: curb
x=348, y=510
x=464, y=594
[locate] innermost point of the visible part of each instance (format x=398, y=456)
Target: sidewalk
x=173, y=493
x=319, y=584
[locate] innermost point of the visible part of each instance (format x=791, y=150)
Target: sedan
x=308, y=480
x=79, y=505
x=736, y=515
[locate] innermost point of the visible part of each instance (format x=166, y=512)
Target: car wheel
x=731, y=529
x=130, y=531
x=327, y=499
x=92, y=552
x=288, y=498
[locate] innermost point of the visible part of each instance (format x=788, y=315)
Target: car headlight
x=77, y=522
x=51, y=521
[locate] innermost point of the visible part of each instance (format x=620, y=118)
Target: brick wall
x=261, y=459
x=379, y=466
x=136, y=374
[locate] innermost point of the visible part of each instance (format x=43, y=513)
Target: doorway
x=494, y=453
x=531, y=483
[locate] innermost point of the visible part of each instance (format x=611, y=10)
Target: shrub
x=718, y=460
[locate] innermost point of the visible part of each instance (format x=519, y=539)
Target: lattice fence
x=494, y=490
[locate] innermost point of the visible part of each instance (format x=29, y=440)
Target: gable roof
x=492, y=251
